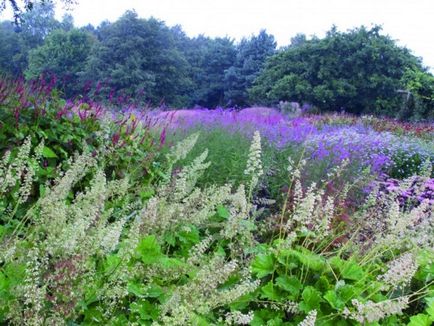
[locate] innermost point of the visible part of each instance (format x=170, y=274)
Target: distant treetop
x=21, y=6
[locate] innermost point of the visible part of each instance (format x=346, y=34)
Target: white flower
x=310, y=319
x=370, y=312
x=254, y=165
x=401, y=271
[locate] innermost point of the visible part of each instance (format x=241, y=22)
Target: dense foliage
x=138, y=58
x=143, y=61
x=62, y=56
x=20, y=8
x=248, y=64
x=359, y=71
x=113, y=219
x=132, y=58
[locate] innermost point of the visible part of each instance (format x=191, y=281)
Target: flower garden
x=211, y=217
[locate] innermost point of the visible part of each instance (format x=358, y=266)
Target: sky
x=409, y=22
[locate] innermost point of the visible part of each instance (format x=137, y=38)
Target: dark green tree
x=10, y=48
x=249, y=62
x=139, y=57
x=34, y=28
x=209, y=59
x=359, y=71
x=67, y=22
x=62, y=55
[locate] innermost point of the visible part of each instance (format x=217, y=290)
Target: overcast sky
x=410, y=22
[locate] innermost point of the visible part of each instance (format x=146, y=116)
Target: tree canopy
x=62, y=55
x=19, y=8
x=249, y=62
x=359, y=71
x=138, y=57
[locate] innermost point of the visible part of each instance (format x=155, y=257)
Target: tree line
x=144, y=60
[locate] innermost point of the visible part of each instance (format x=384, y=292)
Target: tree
x=359, y=71
x=10, y=48
x=418, y=99
x=62, y=55
x=249, y=62
x=36, y=25
x=19, y=8
x=138, y=57
x=209, y=59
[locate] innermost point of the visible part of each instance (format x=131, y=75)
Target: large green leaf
x=430, y=308
x=334, y=300
x=348, y=269
x=222, y=212
x=311, y=299
x=420, y=320
x=290, y=284
x=271, y=291
x=145, y=309
x=137, y=289
x=149, y=250
x=47, y=152
x=304, y=256
x=263, y=265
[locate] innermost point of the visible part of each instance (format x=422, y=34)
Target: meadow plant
x=343, y=267
x=107, y=249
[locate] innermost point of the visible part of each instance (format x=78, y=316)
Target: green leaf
x=2, y=230
x=322, y=284
x=352, y=271
x=290, y=284
x=136, y=289
x=263, y=265
x=170, y=238
x=93, y=316
x=304, y=256
x=42, y=190
x=111, y=263
x=222, y=212
x=243, y=302
x=149, y=250
x=198, y=320
x=349, y=269
x=146, y=194
x=119, y=320
x=154, y=291
x=347, y=292
x=145, y=309
x=257, y=321
x=47, y=152
x=3, y=282
x=141, y=291
x=420, y=320
x=430, y=308
x=267, y=317
x=168, y=262
x=333, y=299
x=311, y=299
x=191, y=236
x=271, y=291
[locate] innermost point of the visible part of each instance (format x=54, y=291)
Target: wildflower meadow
x=211, y=217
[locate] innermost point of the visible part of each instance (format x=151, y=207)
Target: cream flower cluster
x=400, y=271
x=370, y=311
x=310, y=319
x=254, y=167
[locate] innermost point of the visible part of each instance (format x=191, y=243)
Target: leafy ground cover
x=206, y=217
